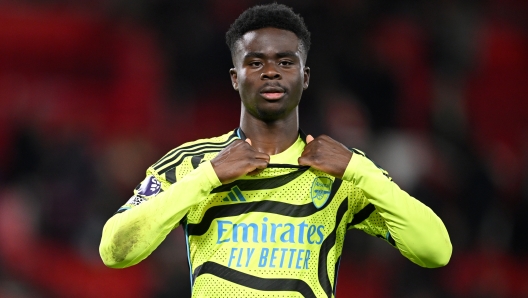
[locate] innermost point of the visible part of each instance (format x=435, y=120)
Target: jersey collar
x=242, y=135
x=286, y=159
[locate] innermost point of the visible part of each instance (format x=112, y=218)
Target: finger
x=255, y=172
x=249, y=141
x=259, y=166
x=262, y=156
x=309, y=138
x=304, y=161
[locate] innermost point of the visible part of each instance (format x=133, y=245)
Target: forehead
x=268, y=40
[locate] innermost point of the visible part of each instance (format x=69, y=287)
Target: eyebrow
x=286, y=54
x=254, y=55
x=261, y=55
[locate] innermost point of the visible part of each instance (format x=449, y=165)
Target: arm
x=131, y=236
x=417, y=231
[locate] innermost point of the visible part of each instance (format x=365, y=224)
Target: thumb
x=249, y=141
x=309, y=138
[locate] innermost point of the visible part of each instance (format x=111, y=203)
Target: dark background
x=93, y=92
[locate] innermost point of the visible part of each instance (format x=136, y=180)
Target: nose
x=270, y=73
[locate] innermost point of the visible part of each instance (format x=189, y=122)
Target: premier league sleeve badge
x=149, y=187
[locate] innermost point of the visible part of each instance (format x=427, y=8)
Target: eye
x=255, y=63
x=286, y=63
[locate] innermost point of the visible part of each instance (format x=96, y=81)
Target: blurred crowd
x=93, y=92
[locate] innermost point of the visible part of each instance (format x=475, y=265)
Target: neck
x=270, y=137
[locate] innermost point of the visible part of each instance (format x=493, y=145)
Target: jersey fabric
x=280, y=232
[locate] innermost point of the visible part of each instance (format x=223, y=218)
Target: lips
x=272, y=92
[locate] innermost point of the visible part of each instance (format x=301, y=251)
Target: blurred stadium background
x=93, y=92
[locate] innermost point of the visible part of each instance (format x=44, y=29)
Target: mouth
x=272, y=96
x=272, y=92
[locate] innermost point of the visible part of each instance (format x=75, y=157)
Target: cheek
x=243, y=78
x=299, y=81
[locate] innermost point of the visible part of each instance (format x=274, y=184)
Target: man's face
x=269, y=73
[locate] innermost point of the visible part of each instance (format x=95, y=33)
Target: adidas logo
x=235, y=195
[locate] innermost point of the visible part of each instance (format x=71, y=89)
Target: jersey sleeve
x=386, y=211
x=367, y=218
x=149, y=188
x=154, y=210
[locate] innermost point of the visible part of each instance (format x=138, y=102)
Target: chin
x=268, y=115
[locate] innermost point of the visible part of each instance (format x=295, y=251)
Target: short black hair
x=273, y=15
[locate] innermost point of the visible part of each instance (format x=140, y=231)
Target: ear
x=306, y=79
x=234, y=78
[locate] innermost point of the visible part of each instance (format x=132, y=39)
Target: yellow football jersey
x=276, y=234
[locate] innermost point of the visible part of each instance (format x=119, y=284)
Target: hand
x=325, y=154
x=237, y=160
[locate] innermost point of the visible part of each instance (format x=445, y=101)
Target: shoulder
x=190, y=149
